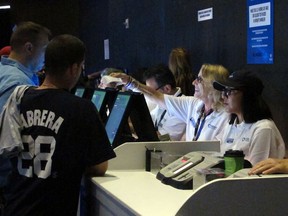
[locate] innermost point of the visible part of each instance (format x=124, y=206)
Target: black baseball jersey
x=62, y=135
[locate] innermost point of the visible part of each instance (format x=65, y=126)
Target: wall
x=59, y=16
x=6, y=28
x=94, y=29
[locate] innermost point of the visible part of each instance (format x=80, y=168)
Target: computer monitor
x=141, y=119
x=79, y=91
x=133, y=105
x=103, y=99
x=82, y=92
x=98, y=98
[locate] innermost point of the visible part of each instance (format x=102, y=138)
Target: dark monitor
x=141, y=119
x=133, y=105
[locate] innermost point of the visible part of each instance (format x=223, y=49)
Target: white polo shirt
x=188, y=110
x=258, y=140
x=168, y=124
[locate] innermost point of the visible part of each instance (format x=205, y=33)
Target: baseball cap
x=242, y=79
x=5, y=50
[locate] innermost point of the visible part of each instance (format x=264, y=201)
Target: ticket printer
x=185, y=171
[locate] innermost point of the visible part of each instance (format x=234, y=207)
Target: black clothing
x=62, y=135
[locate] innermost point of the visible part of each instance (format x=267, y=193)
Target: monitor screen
x=79, y=91
x=98, y=98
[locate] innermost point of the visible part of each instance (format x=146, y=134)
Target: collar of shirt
x=7, y=61
x=242, y=125
x=178, y=92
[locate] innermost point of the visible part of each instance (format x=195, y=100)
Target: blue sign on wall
x=260, y=32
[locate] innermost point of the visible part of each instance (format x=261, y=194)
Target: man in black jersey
x=61, y=137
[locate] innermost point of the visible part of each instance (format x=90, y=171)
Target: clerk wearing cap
x=251, y=128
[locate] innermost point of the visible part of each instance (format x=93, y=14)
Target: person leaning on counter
x=52, y=137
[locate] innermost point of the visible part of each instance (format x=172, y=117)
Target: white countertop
x=142, y=192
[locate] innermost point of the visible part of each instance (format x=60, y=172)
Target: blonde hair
x=211, y=73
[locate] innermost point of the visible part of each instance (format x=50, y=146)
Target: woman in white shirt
x=251, y=128
x=203, y=113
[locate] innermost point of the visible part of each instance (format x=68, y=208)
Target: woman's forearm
x=134, y=85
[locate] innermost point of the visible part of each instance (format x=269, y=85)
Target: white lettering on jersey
x=43, y=118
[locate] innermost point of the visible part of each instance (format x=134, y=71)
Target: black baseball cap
x=242, y=79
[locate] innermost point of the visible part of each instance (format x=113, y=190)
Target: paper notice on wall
x=106, y=49
x=205, y=14
x=259, y=15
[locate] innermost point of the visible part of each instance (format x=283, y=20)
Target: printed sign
x=205, y=14
x=260, y=32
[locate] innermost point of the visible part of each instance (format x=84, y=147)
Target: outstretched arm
x=135, y=85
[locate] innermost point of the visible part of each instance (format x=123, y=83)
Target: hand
x=124, y=77
x=128, y=81
x=270, y=166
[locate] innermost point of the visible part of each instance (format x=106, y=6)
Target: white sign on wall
x=259, y=15
x=106, y=49
x=205, y=14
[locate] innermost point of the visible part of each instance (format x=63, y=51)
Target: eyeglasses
x=159, y=87
x=228, y=92
x=199, y=79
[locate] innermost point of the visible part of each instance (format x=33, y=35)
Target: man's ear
x=28, y=47
x=74, y=69
x=167, y=88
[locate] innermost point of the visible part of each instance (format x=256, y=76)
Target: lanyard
x=198, y=129
x=162, y=116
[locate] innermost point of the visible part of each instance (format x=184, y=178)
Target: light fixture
x=4, y=7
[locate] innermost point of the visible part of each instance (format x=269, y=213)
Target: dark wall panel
x=135, y=47
x=62, y=17
x=5, y=28
x=94, y=29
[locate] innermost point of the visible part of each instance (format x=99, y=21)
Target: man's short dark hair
x=28, y=32
x=162, y=75
x=62, y=52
